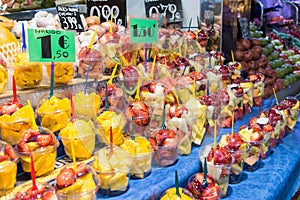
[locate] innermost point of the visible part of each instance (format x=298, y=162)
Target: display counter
x=278, y=176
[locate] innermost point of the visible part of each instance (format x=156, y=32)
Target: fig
x=248, y=55
x=239, y=55
x=246, y=43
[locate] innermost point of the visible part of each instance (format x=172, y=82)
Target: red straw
x=111, y=151
x=15, y=100
x=221, y=63
x=153, y=194
x=72, y=107
x=33, y=177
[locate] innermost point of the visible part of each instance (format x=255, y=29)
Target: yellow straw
x=175, y=94
x=137, y=95
x=73, y=155
x=93, y=39
x=112, y=75
x=124, y=61
x=110, y=23
x=232, y=56
x=152, y=68
x=194, y=87
x=275, y=96
x=34, y=126
x=232, y=124
x=215, y=134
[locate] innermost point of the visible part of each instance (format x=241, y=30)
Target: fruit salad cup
x=42, y=145
x=219, y=162
x=180, y=120
x=44, y=191
x=86, y=103
x=236, y=94
x=185, y=88
x=170, y=194
x=152, y=93
x=263, y=124
x=235, y=69
x=278, y=123
x=113, y=169
x=81, y=133
x=238, y=148
x=90, y=60
x=63, y=72
x=111, y=117
x=81, y=184
x=248, y=96
x=165, y=145
x=292, y=110
x=258, y=87
x=27, y=74
x=141, y=151
x=14, y=122
x=128, y=80
x=255, y=139
x=215, y=78
x=141, y=114
x=8, y=168
x=54, y=113
x=211, y=192
x=116, y=96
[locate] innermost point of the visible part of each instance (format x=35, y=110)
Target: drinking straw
x=153, y=194
x=175, y=94
x=112, y=75
x=72, y=108
x=24, y=46
x=232, y=124
x=177, y=184
x=152, y=68
x=51, y=81
x=15, y=98
x=194, y=87
x=93, y=39
x=204, y=183
x=190, y=23
x=275, y=96
x=232, y=56
x=163, y=126
x=86, y=79
x=149, y=53
x=215, y=117
x=198, y=22
x=106, y=98
x=145, y=52
x=132, y=128
x=125, y=23
x=33, y=178
x=111, y=151
x=207, y=87
x=137, y=94
x=185, y=67
x=111, y=22
x=243, y=74
x=209, y=61
x=160, y=21
x=31, y=114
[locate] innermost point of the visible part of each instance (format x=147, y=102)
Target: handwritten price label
x=143, y=30
x=104, y=8
x=171, y=9
x=51, y=45
x=70, y=18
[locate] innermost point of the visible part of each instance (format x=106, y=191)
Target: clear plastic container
x=90, y=60
x=45, y=190
x=44, y=158
x=252, y=160
x=63, y=72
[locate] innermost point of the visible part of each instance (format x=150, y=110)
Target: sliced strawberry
x=267, y=128
x=4, y=157
x=49, y=195
x=257, y=101
x=82, y=170
x=66, y=178
x=227, y=122
x=10, y=152
x=22, y=146
x=44, y=140
x=211, y=192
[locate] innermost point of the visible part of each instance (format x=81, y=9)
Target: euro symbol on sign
x=62, y=41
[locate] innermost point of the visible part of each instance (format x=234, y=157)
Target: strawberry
x=267, y=128
x=65, y=178
x=4, y=157
x=44, y=140
x=82, y=170
x=49, y=195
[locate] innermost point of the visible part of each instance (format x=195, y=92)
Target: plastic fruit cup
x=185, y=144
x=12, y=131
x=248, y=96
x=258, y=89
x=141, y=165
x=252, y=160
x=113, y=171
x=219, y=172
x=44, y=158
x=86, y=104
x=292, y=110
x=48, y=191
x=165, y=155
x=27, y=74
x=95, y=65
x=54, y=116
x=111, y=117
x=141, y=125
x=265, y=147
x=63, y=72
x=8, y=173
x=83, y=141
x=171, y=194
x=81, y=193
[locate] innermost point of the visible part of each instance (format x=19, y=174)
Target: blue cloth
x=278, y=177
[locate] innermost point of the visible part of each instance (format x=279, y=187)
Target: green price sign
x=51, y=45
x=143, y=30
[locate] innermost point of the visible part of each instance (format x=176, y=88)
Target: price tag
x=70, y=18
x=104, y=8
x=143, y=30
x=171, y=9
x=51, y=45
